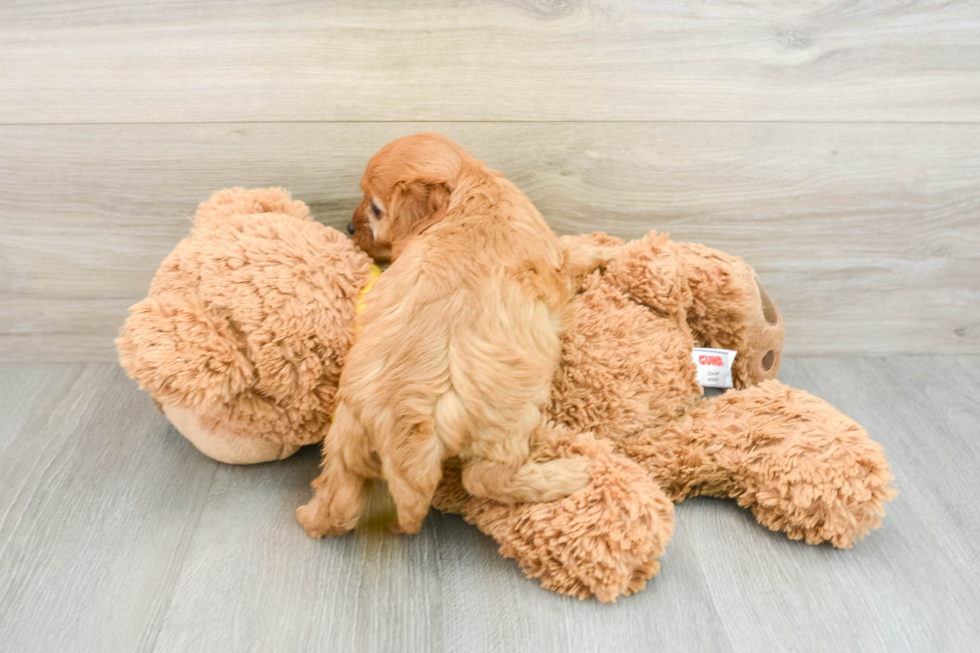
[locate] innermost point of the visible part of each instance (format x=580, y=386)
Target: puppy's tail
x=532, y=482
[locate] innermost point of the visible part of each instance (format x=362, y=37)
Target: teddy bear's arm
x=798, y=463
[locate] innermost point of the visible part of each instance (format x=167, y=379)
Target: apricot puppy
x=458, y=345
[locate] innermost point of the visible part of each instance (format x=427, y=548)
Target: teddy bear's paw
x=603, y=541
x=762, y=334
x=811, y=472
x=839, y=501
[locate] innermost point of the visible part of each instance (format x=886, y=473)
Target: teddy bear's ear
x=241, y=201
x=594, y=239
x=648, y=272
x=182, y=353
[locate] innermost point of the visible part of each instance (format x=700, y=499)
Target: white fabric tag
x=714, y=366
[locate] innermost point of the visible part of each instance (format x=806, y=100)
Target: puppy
x=458, y=345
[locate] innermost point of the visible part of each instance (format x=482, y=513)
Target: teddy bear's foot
x=604, y=541
x=224, y=447
x=825, y=481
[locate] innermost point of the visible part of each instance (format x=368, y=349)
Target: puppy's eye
x=376, y=210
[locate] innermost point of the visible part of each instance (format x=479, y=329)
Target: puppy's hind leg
x=338, y=502
x=413, y=473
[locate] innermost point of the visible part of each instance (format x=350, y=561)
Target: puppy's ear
x=415, y=206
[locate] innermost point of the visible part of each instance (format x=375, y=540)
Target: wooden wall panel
x=314, y=60
x=866, y=235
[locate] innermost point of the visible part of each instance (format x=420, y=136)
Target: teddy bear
x=241, y=342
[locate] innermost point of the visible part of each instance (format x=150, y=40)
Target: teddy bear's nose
x=350, y=228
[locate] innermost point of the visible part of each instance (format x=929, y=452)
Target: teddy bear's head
x=247, y=322
x=627, y=352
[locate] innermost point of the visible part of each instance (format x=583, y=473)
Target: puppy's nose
x=350, y=228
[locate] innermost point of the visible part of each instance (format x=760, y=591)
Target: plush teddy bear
x=242, y=339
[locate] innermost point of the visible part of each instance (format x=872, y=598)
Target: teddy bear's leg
x=731, y=310
x=799, y=464
x=604, y=541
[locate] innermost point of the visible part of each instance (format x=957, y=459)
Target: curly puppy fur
x=459, y=342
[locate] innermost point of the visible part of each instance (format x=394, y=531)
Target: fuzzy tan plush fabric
x=800, y=465
x=248, y=322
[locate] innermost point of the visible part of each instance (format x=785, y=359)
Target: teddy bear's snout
x=770, y=337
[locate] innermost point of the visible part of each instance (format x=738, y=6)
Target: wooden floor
x=116, y=535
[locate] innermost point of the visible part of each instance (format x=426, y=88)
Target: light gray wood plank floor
x=116, y=535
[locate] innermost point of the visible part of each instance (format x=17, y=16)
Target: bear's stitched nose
x=350, y=228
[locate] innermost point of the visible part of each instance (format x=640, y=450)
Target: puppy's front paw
x=315, y=519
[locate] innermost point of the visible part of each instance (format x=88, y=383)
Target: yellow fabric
x=361, y=305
